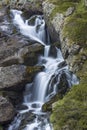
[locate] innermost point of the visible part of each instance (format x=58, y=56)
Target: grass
x=76, y=25
x=71, y=111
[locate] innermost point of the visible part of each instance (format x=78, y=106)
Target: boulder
x=7, y=111
x=27, y=55
x=16, y=76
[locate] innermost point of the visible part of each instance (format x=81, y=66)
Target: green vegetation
x=62, y=5
x=71, y=111
x=76, y=25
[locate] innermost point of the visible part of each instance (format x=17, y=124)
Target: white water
x=42, y=88
x=36, y=32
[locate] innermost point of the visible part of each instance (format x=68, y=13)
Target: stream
x=45, y=84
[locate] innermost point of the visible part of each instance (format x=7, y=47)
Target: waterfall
x=46, y=83
x=36, y=32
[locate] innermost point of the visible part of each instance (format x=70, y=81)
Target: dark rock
x=22, y=107
x=14, y=96
x=32, y=54
x=7, y=111
x=29, y=118
x=62, y=88
x=63, y=85
x=62, y=64
x=53, y=51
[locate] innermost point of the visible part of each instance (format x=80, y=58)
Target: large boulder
x=16, y=76
x=7, y=111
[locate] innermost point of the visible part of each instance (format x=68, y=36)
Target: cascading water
x=43, y=87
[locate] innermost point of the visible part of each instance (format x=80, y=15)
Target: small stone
x=69, y=11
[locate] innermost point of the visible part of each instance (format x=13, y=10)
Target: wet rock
x=62, y=64
x=7, y=111
x=29, y=118
x=62, y=88
x=14, y=77
x=53, y=51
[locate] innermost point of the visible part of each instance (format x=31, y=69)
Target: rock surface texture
x=7, y=111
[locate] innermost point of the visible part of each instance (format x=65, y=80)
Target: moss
x=61, y=6
x=30, y=69
x=71, y=111
x=1, y=128
x=76, y=25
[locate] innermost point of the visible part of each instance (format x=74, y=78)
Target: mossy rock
x=76, y=25
x=71, y=111
x=61, y=6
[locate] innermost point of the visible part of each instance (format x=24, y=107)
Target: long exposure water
x=43, y=86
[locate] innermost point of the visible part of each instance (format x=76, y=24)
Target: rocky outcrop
x=7, y=111
x=60, y=18
x=31, y=7
x=14, y=77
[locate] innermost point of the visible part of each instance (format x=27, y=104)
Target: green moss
x=60, y=2
x=71, y=111
x=76, y=25
x=1, y=127
x=61, y=6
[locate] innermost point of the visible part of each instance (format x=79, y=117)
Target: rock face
x=33, y=7
x=7, y=111
x=14, y=77
x=62, y=23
